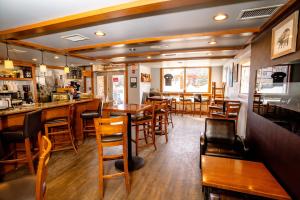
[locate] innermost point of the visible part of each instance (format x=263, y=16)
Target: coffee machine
x=27, y=94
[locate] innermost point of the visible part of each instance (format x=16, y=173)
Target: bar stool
x=59, y=131
x=171, y=109
x=27, y=133
x=87, y=117
x=29, y=187
x=161, y=117
x=147, y=121
x=112, y=132
x=185, y=102
x=199, y=99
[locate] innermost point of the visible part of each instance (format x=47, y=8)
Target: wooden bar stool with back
x=28, y=133
x=59, y=130
x=112, y=132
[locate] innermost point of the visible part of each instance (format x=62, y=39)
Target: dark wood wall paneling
x=276, y=146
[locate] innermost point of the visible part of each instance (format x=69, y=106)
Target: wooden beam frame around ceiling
x=95, y=47
x=46, y=48
x=155, y=53
x=174, y=59
x=119, y=12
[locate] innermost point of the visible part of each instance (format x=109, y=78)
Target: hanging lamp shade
x=66, y=68
x=43, y=67
x=8, y=64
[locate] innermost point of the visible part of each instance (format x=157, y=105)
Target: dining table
x=134, y=162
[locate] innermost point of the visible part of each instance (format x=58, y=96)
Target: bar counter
x=51, y=110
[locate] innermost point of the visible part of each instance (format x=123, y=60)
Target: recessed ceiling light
x=121, y=57
x=56, y=57
x=247, y=34
x=212, y=42
x=220, y=17
x=119, y=45
x=99, y=33
x=34, y=59
x=149, y=57
x=209, y=54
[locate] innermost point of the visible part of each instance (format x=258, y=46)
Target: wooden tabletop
x=241, y=176
x=127, y=108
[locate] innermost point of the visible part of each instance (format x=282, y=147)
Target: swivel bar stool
x=27, y=134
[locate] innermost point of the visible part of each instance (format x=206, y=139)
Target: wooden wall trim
x=119, y=12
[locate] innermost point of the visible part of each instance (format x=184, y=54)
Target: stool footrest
x=113, y=157
x=114, y=175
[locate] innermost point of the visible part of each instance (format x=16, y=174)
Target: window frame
x=184, y=79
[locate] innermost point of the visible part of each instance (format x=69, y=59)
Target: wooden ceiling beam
x=155, y=53
x=174, y=59
x=35, y=46
x=119, y=12
x=95, y=47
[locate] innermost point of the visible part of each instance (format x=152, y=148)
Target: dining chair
x=112, y=132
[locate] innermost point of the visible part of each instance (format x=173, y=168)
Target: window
x=245, y=78
x=173, y=80
x=186, y=79
x=197, y=80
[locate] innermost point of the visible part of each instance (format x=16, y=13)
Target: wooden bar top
x=23, y=109
x=241, y=176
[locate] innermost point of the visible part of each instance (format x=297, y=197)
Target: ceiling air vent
x=256, y=13
x=75, y=37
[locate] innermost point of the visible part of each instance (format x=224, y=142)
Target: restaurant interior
x=149, y=99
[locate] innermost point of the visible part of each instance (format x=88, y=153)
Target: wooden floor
x=171, y=172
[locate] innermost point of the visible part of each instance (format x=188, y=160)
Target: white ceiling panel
x=15, y=13
x=192, y=21
x=26, y=54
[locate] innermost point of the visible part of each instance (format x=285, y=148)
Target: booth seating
x=112, y=132
x=28, y=133
x=220, y=139
x=30, y=187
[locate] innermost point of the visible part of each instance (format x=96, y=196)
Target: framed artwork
x=235, y=72
x=145, y=77
x=284, y=36
x=133, y=82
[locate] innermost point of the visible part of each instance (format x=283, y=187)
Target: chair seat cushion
x=13, y=134
x=90, y=114
x=223, y=151
x=21, y=189
x=56, y=120
x=142, y=118
x=112, y=138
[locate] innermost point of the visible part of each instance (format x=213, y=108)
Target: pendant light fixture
x=43, y=67
x=8, y=64
x=66, y=68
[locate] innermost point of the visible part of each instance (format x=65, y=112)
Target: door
x=118, y=89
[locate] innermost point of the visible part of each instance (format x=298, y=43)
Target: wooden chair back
x=40, y=187
x=232, y=108
x=110, y=126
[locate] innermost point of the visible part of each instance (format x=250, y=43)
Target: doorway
x=118, y=89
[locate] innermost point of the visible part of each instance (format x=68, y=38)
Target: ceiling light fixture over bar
x=8, y=64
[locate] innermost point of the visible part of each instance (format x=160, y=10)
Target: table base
x=135, y=164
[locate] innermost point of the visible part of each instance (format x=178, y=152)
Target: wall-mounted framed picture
x=133, y=82
x=145, y=77
x=284, y=36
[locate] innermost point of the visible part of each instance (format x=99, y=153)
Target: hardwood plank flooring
x=172, y=172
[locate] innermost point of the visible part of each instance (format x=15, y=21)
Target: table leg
x=134, y=162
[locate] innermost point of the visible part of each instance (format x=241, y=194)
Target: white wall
x=155, y=78
x=144, y=86
x=216, y=75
